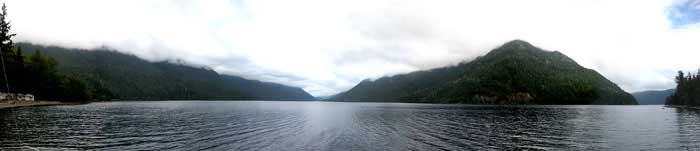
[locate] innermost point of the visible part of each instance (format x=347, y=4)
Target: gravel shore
x=14, y=104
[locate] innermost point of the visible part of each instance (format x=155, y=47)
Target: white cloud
x=327, y=46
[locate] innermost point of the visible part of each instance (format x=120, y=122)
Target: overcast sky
x=328, y=46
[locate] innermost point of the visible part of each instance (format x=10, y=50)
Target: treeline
x=36, y=73
x=687, y=90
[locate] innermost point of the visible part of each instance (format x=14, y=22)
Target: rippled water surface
x=268, y=125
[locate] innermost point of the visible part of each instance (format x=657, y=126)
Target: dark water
x=184, y=125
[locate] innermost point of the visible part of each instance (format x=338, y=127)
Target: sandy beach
x=14, y=104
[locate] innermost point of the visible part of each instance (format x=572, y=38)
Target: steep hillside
x=515, y=73
x=114, y=75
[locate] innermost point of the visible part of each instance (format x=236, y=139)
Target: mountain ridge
x=116, y=75
x=514, y=73
x=653, y=97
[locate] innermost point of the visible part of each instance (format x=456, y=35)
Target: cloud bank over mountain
x=328, y=46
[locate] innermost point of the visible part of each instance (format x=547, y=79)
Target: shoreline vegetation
x=18, y=104
x=687, y=90
x=35, y=74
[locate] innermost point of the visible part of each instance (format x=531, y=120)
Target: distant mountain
x=114, y=75
x=653, y=97
x=515, y=73
x=325, y=97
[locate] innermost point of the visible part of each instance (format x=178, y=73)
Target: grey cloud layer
x=327, y=46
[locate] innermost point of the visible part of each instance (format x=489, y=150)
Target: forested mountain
x=114, y=75
x=515, y=73
x=687, y=90
x=655, y=97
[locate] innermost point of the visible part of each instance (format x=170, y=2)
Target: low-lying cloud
x=328, y=46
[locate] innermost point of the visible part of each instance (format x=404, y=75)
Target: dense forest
x=114, y=75
x=515, y=73
x=687, y=90
x=35, y=74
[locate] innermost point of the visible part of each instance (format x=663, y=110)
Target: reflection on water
x=251, y=125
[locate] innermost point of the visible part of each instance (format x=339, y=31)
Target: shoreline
x=683, y=107
x=18, y=104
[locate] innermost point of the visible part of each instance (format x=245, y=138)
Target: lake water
x=269, y=125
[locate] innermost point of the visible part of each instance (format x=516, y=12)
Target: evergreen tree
x=687, y=90
x=35, y=74
x=11, y=61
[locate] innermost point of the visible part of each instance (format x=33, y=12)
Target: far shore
x=16, y=104
x=683, y=107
